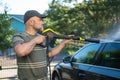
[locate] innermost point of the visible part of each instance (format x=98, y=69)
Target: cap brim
x=42, y=16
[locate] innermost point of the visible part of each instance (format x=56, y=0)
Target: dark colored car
x=94, y=61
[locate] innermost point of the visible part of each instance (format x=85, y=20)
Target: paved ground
x=9, y=67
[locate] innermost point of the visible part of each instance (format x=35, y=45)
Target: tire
x=55, y=77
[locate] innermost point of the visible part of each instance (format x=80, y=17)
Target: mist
x=114, y=33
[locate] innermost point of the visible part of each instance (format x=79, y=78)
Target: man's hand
x=66, y=41
x=39, y=39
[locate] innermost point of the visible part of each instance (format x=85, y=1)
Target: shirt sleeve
x=17, y=40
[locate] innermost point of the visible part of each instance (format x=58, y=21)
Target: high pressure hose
x=50, y=34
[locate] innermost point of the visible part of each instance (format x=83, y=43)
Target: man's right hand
x=39, y=39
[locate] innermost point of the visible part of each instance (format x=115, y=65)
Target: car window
x=111, y=55
x=86, y=54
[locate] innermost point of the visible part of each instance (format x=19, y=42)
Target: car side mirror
x=67, y=59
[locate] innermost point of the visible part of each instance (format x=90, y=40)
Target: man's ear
x=31, y=21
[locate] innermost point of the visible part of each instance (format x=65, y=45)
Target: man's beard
x=39, y=30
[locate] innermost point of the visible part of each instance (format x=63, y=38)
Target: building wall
x=18, y=26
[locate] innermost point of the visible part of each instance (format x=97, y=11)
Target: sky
x=21, y=6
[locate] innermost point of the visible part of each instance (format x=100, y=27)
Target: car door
x=107, y=66
x=66, y=71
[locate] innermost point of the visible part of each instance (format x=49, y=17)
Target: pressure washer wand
x=52, y=34
x=76, y=38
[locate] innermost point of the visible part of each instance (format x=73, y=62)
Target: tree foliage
x=5, y=31
x=100, y=15
x=90, y=18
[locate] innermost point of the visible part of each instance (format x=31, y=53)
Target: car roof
x=105, y=40
x=109, y=40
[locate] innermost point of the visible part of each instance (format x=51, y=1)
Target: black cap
x=32, y=13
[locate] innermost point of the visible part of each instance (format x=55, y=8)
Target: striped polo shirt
x=34, y=65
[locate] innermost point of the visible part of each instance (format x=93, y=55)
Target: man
x=31, y=56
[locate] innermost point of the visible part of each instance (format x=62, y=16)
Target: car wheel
x=55, y=77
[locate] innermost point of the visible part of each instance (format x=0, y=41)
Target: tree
x=91, y=18
x=6, y=31
x=59, y=18
x=99, y=15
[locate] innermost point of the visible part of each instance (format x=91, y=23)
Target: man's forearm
x=25, y=48
x=56, y=50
